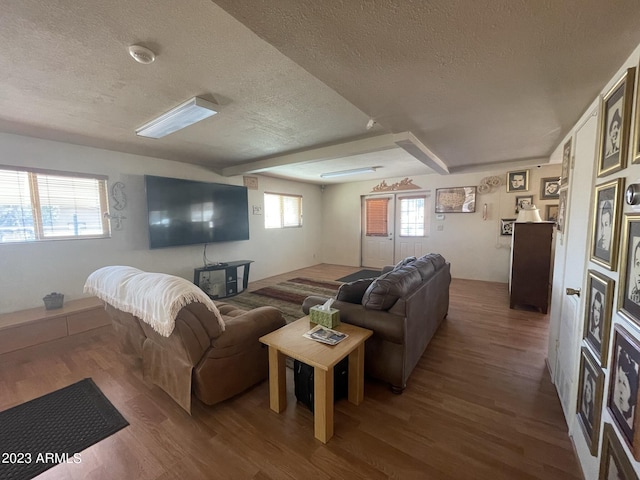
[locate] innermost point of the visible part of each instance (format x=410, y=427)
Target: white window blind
x=41, y=205
x=282, y=211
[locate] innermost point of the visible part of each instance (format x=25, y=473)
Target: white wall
x=29, y=271
x=474, y=246
x=591, y=463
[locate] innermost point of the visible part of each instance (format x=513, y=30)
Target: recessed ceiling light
x=343, y=173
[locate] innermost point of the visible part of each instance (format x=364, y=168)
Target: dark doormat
x=360, y=275
x=55, y=428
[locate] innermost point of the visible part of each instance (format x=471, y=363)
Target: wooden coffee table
x=288, y=341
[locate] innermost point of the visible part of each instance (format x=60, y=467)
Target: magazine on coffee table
x=325, y=335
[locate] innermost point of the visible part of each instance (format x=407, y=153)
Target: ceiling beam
x=356, y=147
x=420, y=151
x=405, y=140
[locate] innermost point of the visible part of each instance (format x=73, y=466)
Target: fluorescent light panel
x=343, y=173
x=182, y=116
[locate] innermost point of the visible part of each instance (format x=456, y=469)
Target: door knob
x=574, y=291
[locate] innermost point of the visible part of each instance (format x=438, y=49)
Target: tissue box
x=329, y=319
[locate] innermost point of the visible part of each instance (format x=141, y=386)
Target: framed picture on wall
x=518, y=181
x=506, y=226
x=566, y=163
x=456, y=200
x=550, y=188
x=635, y=152
x=562, y=209
x=605, y=230
x=551, y=213
x=525, y=201
x=614, y=125
x=589, y=406
x=599, y=306
x=614, y=463
x=623, y=388
x=629, y=291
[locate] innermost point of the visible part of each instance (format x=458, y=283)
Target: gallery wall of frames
x=608, y=396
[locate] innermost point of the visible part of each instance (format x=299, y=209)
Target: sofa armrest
x=385, y=325
x=312, y=301
x=249, y=327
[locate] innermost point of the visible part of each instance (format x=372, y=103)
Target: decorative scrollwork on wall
x=488, y=184
x=119, y=198
x=406, y=184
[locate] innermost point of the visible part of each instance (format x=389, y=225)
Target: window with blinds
x=38, y=205
x=282, y=211
x=377, y=217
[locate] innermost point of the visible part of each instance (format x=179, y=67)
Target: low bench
x=34, y=326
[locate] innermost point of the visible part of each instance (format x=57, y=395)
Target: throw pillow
x=353, y=292
x=388, y=288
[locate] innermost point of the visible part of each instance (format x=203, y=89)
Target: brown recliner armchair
x=198, y=356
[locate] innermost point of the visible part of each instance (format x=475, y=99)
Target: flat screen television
x=188, y=212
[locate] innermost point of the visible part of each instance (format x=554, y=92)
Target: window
x=377, y=215
x=40, y=205
x=412, y=221
x=282, y=211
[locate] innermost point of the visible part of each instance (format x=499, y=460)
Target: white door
x=411, y=225
x=567, y=308
x=378, y=230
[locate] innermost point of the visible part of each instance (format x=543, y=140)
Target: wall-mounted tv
x=187, y=212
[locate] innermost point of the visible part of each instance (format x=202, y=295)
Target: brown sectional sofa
x=404, y=307
x=198, y=356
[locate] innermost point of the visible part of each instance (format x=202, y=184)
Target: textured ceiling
x=479, y=82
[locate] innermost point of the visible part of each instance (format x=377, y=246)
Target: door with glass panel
x=412, y=222
x=394, y=227
x=377, y=230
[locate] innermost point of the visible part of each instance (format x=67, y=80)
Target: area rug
x=55, y=428
x=286, y=296
x=360, y=275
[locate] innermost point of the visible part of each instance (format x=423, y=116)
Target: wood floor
x=479, y=405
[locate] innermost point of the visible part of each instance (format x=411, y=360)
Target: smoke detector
x=142, y=54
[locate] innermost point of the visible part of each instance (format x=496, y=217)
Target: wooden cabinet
x=530, y=276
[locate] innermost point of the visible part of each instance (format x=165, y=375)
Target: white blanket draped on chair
x=156, y=298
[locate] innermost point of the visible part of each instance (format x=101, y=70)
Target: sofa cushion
x=403, y=262
x=425, y=267
x=352, y=292
x=385, y=290
x=435, y=258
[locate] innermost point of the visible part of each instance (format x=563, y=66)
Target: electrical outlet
x=440, y=228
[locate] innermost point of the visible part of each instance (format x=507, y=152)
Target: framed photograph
x=635, y=152
x=629, y=290
x=506, y=226
x=623, y=387
x=614, y=125
x=518, y=181
x=614, y=463
x=250, y=182
x=551, y=213
x=523, y=201
x=562, y=210
x=456, y=200
x=589, y=407
x=550, y=188
x=605, y=230
x=566, y=164
x=597, y=322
